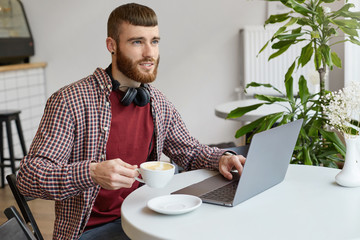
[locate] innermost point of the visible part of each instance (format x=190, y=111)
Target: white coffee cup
x=156, y=174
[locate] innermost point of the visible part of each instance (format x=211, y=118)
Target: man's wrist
x=92, y=167
x=228, y=153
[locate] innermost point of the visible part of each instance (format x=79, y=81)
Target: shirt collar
x=104, y=80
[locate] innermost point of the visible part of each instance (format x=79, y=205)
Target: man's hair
x=132, y=13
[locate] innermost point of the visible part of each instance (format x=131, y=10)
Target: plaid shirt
x=73, y=133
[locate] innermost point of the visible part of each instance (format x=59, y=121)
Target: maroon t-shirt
x=130, y=136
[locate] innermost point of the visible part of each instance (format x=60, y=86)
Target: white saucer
x=174, y=204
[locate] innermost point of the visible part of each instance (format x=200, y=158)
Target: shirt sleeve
x=48, y=171
x=185, y=150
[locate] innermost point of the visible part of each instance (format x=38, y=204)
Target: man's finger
x=125, y=164
x=238, y=162
x=127, y=172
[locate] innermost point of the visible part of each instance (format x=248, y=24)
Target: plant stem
x=322, y=72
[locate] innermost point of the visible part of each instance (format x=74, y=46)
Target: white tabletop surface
x=307, y=205
x=224, y=109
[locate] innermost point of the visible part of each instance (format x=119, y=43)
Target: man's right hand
x=113, y=174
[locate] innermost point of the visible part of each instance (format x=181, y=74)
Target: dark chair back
x=15, y=228
x=241, y=150
x=24, y=207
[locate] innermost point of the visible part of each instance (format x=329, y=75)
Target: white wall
x=199, y=51
x=352, y=59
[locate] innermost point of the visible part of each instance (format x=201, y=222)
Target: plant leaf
x=300, y=8
x=306, y=54
x=263, y=48
x=291, y=36
x=270, y=99
x=345, y=8
x=306, y=152
x=249, y=127
x=303, y=90
x=300, y=1
x=281, y=44
x=351, y=32
x=317, y=59
x=280, y=30
x=348, y=23
x=326, y=53
x=336, y=60
x=289, y=89
x=355, y=41
x=272, y=119
x=267, y=85
x=259, y=125
x=335, y=140
x=277, y=18
x=240, y=111
x=289, y=81
x=290, y=71
x=292, y=21
x=278, y=53
x=315, y=34
x=314, y=126
x=355, y=122
x=354, y=15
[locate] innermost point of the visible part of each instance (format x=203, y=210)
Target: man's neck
x=124, y=81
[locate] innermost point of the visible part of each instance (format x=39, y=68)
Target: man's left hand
x=229, y=162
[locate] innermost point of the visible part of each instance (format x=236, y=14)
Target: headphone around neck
x=140, y=95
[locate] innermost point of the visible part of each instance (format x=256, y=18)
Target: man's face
x=137, y=55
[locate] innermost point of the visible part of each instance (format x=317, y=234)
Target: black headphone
x=140, y=96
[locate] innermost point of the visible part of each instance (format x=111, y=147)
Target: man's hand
x=229, y=162
x=113, y=174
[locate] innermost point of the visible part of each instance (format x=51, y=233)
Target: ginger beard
x=130, y=68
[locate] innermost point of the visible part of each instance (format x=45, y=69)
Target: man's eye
x=155, y=42
x=136, y=42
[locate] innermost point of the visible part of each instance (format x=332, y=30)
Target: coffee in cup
x=156, y=174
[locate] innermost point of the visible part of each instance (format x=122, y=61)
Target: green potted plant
x=312, y=22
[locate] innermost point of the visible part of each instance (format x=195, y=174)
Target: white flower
x=343, y=107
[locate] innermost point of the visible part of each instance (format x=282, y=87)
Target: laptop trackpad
x=207, y=185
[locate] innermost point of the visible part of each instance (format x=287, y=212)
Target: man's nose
x=149, y=51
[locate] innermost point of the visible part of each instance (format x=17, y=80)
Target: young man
x=95, y=132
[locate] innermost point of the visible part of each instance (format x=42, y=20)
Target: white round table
x=307, y=205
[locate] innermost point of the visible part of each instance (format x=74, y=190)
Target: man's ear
x=111, y=45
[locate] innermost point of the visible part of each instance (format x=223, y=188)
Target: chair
x=21, y=200
x=14, y=228
x=7, y=116
x=241, y=150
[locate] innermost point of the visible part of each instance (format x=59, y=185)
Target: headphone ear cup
x=142, y=97
x=129, y=96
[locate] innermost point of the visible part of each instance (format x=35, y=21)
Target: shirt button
x=103, y=156
x=107, y=104
x=106, y=128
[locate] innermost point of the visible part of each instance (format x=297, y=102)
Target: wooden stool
x=7, y=116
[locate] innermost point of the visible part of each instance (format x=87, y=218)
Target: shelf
x=15, y=67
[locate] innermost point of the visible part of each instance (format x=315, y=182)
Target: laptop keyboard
x=224, y=194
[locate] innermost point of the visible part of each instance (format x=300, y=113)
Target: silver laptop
x=267, y=161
